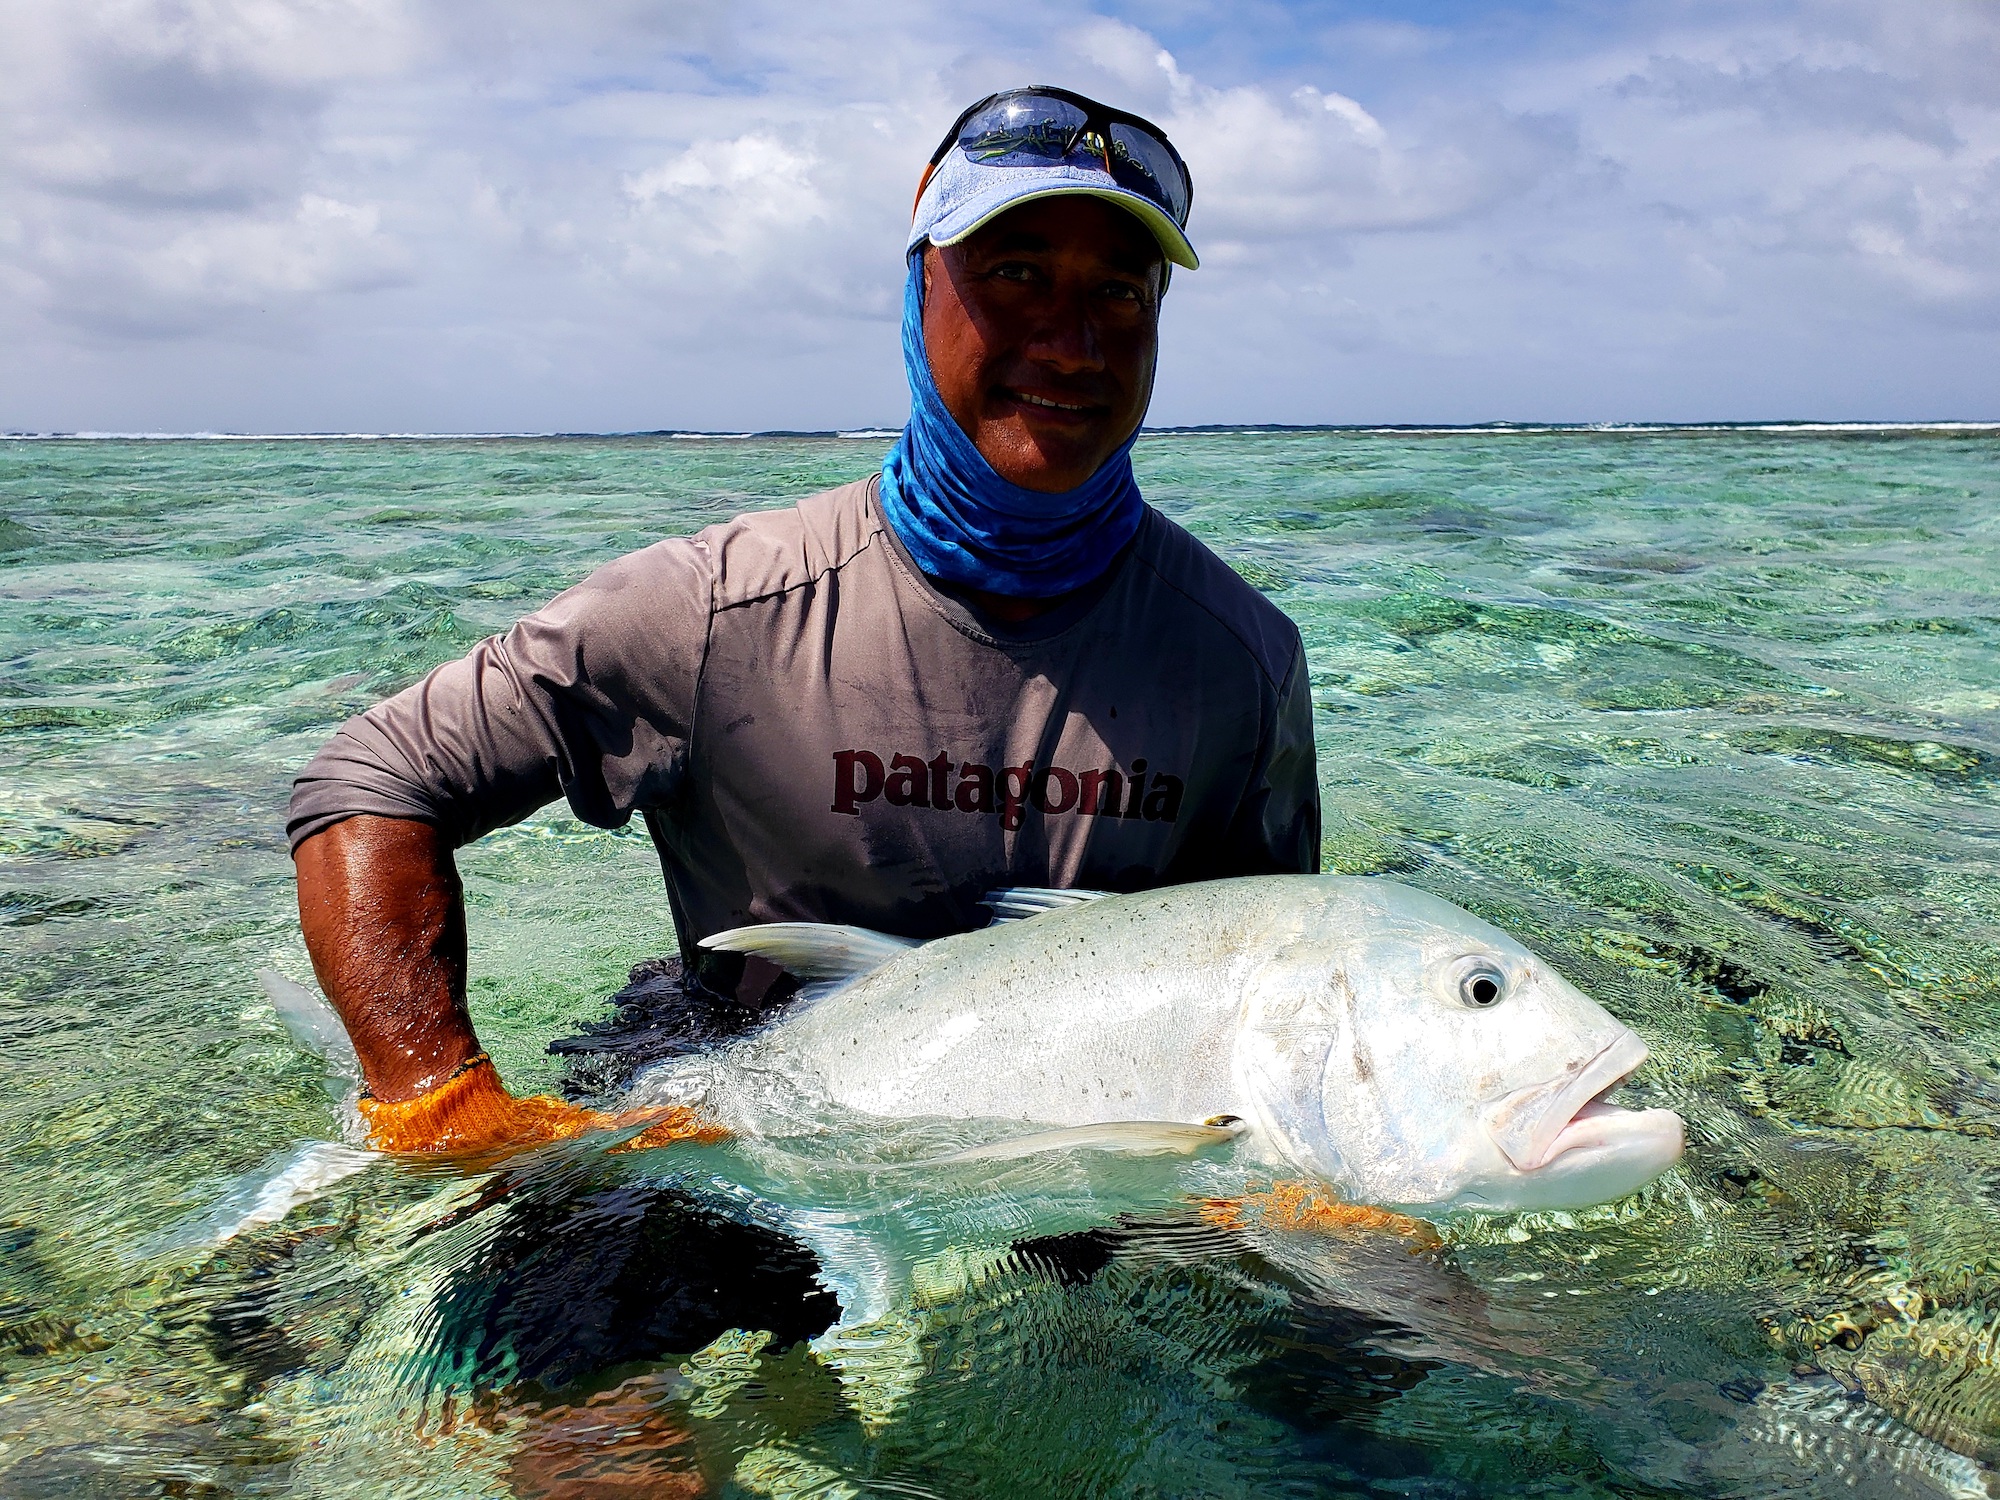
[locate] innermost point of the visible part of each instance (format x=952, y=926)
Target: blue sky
x=442, y=215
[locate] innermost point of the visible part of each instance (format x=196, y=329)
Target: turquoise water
x=1711, y=719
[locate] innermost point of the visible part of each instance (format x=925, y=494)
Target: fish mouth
x=1532, y=1126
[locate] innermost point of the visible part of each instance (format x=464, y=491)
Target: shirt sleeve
x=1276, y=829
x=591, y=698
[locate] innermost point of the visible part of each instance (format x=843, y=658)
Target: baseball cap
x=1014, y=147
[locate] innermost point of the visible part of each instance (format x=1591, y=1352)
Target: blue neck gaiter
x=963, y=523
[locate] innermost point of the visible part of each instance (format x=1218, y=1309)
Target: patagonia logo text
x=946, y=784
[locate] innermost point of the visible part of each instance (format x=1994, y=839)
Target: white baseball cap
x=1014, y=147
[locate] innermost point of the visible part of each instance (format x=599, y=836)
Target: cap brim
x=969, y=218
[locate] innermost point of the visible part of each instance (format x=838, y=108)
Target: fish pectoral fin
x=1300, y=1205
x=1130, y=1137
x=814, y=950
x=1016, y=903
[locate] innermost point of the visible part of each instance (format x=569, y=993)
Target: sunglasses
x=1035, y=127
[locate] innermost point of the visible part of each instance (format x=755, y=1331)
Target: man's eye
x=1015, y=271
x=1124, y=291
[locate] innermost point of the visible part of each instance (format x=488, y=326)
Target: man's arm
x=384, y=920
x=1277, y=828
x=587, y=699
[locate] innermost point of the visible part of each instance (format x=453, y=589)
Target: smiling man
x=992, y=664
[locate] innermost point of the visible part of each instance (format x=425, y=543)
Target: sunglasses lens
x=1141, y=154
x=1028, y=131
x=1032, y=130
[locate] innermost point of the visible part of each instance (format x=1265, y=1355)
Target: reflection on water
x=1711, y=720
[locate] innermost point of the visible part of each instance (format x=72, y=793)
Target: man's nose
x=1065, y=340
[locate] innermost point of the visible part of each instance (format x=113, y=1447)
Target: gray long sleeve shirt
x=814, y=732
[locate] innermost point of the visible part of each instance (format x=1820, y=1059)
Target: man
x=990, y=665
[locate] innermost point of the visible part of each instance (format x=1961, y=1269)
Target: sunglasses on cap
x=1034, y=127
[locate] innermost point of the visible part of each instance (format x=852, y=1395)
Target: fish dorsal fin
x=814, y=950
x=1017, y=903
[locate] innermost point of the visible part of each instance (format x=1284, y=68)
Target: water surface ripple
x=1711, y=719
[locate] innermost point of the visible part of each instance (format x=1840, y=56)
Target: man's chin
x=1043, y=454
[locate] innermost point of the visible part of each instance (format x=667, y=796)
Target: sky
x=609, y=215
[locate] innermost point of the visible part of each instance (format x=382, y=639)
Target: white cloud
x=730, y=200
x=160, y=158
x=1124, y=52
x=456, y=215
x=324, y=246
x=1861, y=171
x=1318, y=163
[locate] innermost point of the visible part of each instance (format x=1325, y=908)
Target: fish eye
x=1481, y=985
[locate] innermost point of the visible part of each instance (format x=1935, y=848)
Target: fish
x=1350, y=1032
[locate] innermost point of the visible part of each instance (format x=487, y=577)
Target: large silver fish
x=1356, y=1032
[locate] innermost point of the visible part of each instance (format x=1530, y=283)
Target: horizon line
x=1771, y=425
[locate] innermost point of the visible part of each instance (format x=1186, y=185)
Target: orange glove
x=1297, y=1205
x=472, y=1111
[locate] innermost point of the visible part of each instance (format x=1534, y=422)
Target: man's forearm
x=384, y=920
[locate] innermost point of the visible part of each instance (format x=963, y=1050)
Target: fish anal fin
x=1300, y=1205
x=1129, y=1137
x=814, y=950
x=1016, y=903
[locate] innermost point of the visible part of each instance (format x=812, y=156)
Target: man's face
x=1043, y=334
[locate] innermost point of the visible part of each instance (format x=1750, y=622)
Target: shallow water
x=1712, y=720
